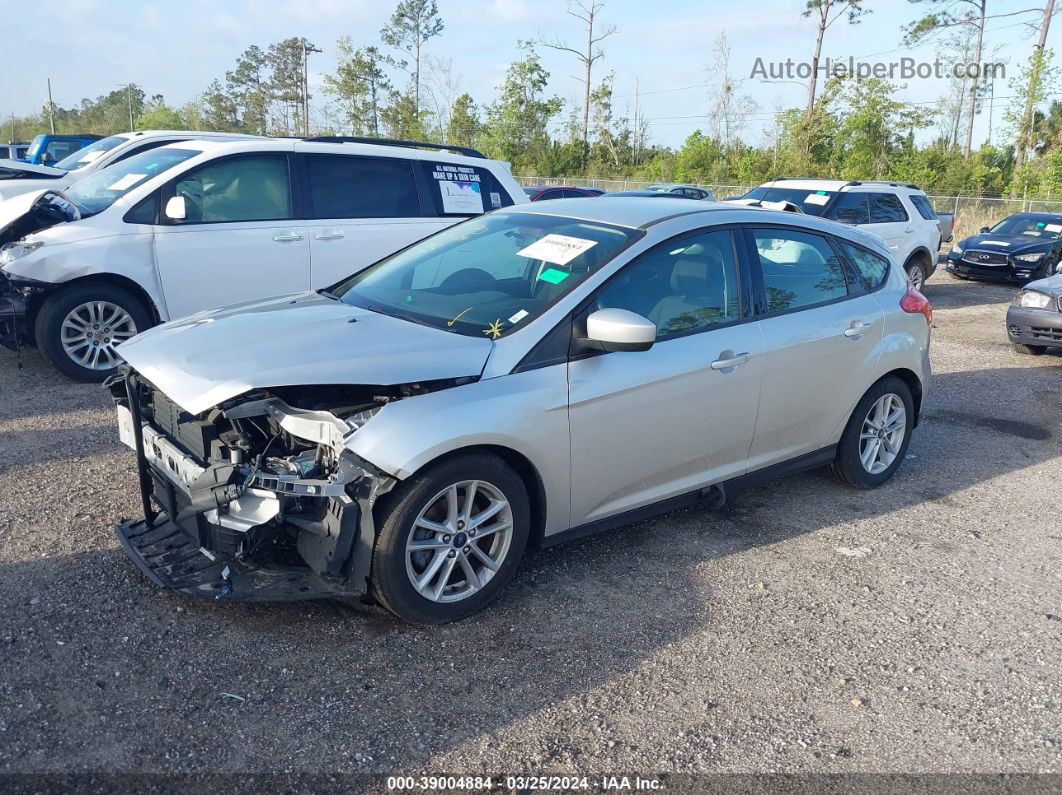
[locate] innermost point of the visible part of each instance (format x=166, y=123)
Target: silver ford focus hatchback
x=408, y=435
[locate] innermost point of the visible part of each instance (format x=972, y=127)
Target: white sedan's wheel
x=90, y=332
x=884, y=429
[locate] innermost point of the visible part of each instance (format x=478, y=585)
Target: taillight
x=913, y=301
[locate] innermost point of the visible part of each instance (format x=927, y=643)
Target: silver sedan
x=522, y=378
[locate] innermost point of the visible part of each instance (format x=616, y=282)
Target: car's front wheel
x=877, y=436
x=450, y=539
x=79, y=327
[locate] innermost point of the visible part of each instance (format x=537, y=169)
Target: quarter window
x=342, y=186
x=925, y=209
x=681, y=286
x=886, y=208
x=461, y=189
x=870, y=268
x=799, y=269
x=253, y=188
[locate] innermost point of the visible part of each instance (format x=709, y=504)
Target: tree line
x=399, y=87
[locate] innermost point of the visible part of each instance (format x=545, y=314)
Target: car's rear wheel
x=79, y=327
x=450, y=539
x=916, y=274
x=1030, y=350
x=877, y=435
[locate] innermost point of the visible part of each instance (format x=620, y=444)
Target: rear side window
x=458, y=189
x=343, y=186
x=925, y=209
x=870, y=268
x=252, y=188
x=799, y=269
x=851, y=208
x=886, y=208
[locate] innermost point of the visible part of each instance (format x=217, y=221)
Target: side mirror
x=984, y=229
x=46, y=158
x=175, y=209
x=619, y=330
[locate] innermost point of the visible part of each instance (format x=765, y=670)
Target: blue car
x=45, y=150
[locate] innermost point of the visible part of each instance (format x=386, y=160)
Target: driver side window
x=682, y=286
x=251, y=188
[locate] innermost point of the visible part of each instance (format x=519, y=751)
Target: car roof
x=643, y=212
x=805, y=183
x=233, y=143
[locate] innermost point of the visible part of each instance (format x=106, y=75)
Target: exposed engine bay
x=258, y=498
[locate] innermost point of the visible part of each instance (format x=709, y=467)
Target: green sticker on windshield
x=553, y=276
x=1041, y=225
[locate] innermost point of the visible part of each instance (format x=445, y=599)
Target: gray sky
x=89, y=47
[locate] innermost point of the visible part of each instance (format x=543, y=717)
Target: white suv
x=17, y=177
x=200, y=224
x=899, y=213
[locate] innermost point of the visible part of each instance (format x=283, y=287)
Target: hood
x=207, y=358
x=18, y=169
x=31, y=212
x=1006, y=244
x=1052, y=285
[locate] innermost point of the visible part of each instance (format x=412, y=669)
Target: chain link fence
x=971, y=212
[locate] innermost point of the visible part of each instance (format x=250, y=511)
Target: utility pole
x=1025, y=131
x=307, y=48
x=637, y=121
x=129, y=100
x=51, y=107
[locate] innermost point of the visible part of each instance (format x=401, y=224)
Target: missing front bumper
x=170, y=559
x=14, y=330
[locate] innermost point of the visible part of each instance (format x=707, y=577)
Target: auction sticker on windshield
x=816, y=198
x=557, y=249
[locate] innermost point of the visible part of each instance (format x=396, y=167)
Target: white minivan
x=18, y=177
x=200, y=224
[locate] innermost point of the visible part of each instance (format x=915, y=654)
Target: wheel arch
x=525, y=470
x=924, y=256
x=113, y=279
x=914, y=383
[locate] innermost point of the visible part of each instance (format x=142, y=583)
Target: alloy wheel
x=459, y=541
x=915, y=276
x=90, y=332
x=884, y=429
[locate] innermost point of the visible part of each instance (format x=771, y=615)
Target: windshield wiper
x=400, y=315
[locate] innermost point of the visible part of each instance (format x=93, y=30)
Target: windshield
x=489, y=275
x=812, y=202
x=98, y=192
x=82, y=157
x=1048, y=228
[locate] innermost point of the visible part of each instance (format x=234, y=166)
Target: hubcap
x=459, y=541
x=90, y=332
x=883, y=433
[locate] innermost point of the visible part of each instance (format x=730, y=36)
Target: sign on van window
x=460, y=188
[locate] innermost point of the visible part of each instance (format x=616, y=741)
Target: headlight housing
x=1034, y=257
x=957, y=250
x=1030, y=299
x=13, y=251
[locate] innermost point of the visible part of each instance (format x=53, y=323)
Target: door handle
x=908, y=230
x=733, y=360
x=336, y=235
x=288, y=237
x=857, y=329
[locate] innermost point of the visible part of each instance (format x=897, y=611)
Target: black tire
x=847, y=467
x=53, y=312
x=916, y=273
x=395, y=516
x=1030, y=350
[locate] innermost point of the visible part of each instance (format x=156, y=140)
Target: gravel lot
x=806, y=628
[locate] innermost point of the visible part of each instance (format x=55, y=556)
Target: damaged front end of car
x=257, y=498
